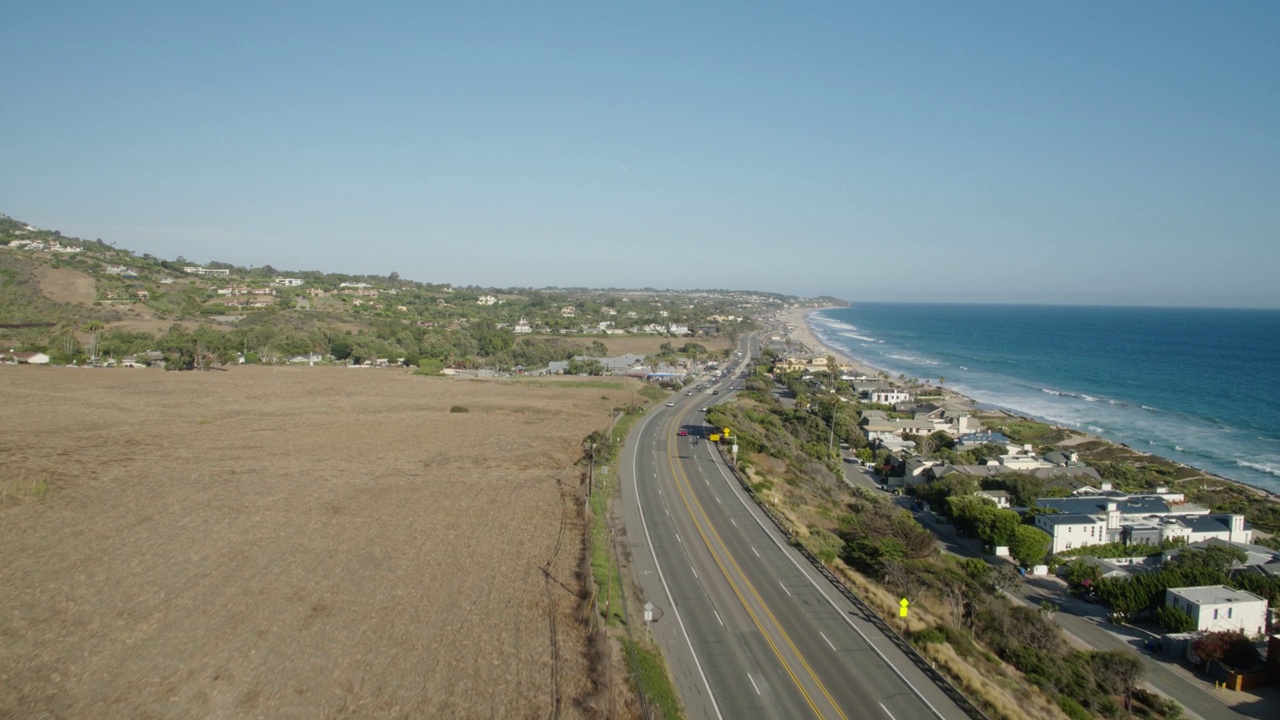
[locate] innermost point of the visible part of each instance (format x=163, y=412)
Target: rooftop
x=1069, y=519
x=1214, y=595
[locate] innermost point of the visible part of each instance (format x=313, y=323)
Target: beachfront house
x=1134, y=520
x=889, y=396
x=1219, y=608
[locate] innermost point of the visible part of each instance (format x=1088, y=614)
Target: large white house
x=1217, y=607
x=1134, y=520
x=1073, y=530
x=890, y=396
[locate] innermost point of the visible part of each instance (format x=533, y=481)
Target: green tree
x=1029, y=545
x=1118, y=672
x=1174, y=620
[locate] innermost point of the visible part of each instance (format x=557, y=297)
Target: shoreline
x=802, y=332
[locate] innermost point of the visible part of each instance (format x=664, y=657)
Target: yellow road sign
x=902, y=607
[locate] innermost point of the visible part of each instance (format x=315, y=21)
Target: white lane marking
x=667, y=588
x=757, y=552
x=678, y=539
x=734, y=523
x=824, y=637
x=718, y=500
x=753, y=683
x=695, y=570
x=718, y=618
x=733, y=487
x=784, y=589
x=886, y=712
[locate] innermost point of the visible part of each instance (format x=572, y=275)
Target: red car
x=682, y=433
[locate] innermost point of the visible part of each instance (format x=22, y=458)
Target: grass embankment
x=647, y=668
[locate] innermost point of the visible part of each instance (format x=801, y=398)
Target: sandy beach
x=803, y=336
x=798, y=330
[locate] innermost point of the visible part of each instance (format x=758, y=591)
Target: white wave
x=1178, y=448
x=1059, y=393
x=1148, y=408
x=1095, y=429
x=856, y=336
x=1271, y=468
x=839, y=325
x=1088, y=398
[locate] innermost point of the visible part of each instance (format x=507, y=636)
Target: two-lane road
x=748, y=629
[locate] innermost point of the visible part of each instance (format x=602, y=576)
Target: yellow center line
x=678, y=474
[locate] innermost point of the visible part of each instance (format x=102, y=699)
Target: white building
x=1071, y=530
x=289, y=282
x=196, y=270
x=889, y=396
x=1217, y=607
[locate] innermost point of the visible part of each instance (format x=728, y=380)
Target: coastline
x=801, y=332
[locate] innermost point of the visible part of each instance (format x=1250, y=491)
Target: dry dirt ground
x=66, y=286
x=292, y=543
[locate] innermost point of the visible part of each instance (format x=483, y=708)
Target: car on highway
x=682, y=433
x=671, y=404
x=703, y=410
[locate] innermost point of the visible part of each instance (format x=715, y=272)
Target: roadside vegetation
x=622, y=623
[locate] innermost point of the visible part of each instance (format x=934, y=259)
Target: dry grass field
x=293, y=543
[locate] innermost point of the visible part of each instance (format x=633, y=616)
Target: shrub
x=930, y=635
x=1073, y=709
x=1172, y=619
x=459, y=409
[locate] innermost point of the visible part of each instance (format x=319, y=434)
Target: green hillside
x=81, y=300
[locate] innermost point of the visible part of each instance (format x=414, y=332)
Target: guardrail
x=941, y=681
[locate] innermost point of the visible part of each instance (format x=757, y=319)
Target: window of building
x=1215, y=613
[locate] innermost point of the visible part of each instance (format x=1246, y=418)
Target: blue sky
x=1091, y=153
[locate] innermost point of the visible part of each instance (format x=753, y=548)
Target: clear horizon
x=1091, y=154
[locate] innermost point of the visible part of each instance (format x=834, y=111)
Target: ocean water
x=1197, y=386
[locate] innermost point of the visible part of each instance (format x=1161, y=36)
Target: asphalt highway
x=748, y=628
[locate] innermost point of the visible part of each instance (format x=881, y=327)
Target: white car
x=671, y=404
